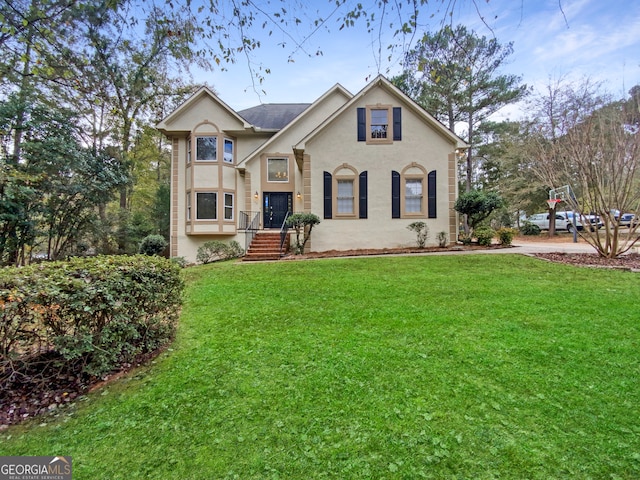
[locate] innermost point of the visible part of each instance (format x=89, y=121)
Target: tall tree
x=454, y=74
x=50, y=194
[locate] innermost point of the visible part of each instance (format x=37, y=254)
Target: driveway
x=548, y=245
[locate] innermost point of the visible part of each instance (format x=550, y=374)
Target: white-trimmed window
x=188, y=151
x=379, y=126
x=188, y=206
x=206, y=206
x=345, y=198
x=278, y=169
x=228, y=151
x=228, y=206
x=207, y=149
x=413, y=195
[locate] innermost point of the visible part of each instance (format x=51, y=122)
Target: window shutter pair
x=328, y=195
x=362, y=124
x=431, y=195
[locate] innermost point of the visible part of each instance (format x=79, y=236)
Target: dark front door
x=275, y=208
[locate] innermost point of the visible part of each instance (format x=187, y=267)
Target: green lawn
x=465, y=367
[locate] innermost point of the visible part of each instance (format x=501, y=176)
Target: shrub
x=422, y=232
x=478, y=205
x=529, y=228
x=484, y=235
x=464, y=238
x=443, y=238
x=235, y=250
x=86, y=316
x=506, y=235
x=180, y=261
x=152, y=245
x=302, y=223
x=215, y=250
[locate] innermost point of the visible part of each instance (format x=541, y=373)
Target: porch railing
x=250, y=223
x=283, y=231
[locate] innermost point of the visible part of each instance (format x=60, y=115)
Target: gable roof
x=273, y=116
x=337, y=88
x=381, y=81
x=203, y=91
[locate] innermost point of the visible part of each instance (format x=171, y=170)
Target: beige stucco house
x=367, y=164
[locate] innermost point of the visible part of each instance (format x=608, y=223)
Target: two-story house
x=367, y=164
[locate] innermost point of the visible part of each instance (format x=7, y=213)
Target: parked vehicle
x=542, y=221
x=627, y=220
x=624, y=220
x=594, y=221
x=564, y=221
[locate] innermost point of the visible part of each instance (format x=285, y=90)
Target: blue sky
x=595, y=38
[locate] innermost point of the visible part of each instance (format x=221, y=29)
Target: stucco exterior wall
x=205, y=116
x=337, y=145
x=312, y=146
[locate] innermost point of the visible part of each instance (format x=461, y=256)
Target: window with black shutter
x=395, y=194
x=363, y=195
x=431, y=195
x=328, y=197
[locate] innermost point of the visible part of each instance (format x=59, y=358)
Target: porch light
x=298, y=195
x=255, y=195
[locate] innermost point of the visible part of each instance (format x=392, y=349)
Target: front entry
x=275, y=207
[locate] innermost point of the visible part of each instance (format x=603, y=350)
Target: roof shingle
x=273, y=116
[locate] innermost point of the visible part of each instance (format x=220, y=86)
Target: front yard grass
x=469, y=366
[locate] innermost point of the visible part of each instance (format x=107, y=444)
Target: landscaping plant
x=422, y=232
x=302, y=223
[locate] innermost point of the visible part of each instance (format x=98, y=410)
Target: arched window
x=413, y=192
x=345, y=193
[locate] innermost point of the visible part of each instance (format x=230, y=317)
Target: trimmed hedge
x=87, y=315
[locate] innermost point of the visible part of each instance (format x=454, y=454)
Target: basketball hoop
x=552, y=202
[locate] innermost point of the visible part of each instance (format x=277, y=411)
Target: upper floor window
x=228, y=150
x=207, y=149
x=278, y=169
x=188, y=151
x=379, y=124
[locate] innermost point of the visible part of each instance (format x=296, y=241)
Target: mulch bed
x=390, y=251
x=625, y=262
x=30, y=394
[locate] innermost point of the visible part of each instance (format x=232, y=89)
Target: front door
x=275, y=208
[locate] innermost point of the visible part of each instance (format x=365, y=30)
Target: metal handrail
x=284, y=229
x=250, y=222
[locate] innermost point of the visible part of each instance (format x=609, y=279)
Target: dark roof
x=273, y=116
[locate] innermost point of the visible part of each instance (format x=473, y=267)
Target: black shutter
x=328, y=196
x=362, y=124
x=397, y=123
x=395, y=194
x=363, y=195
x=431, y=194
